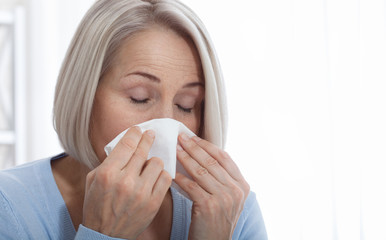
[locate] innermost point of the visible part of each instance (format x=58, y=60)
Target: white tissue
x=165, y=142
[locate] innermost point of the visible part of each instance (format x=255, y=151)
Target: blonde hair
x=98, y=37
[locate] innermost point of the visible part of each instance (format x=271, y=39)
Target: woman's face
x=155, y=74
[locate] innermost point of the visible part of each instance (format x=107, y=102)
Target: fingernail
x=196, y=139
x=150, y=133
x=179, y=148
x=137, y=128
x=225, y=154
x=184, y=137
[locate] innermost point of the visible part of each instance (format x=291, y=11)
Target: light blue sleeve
x=89, y=234
x=251, y=224
x=11, y=229
x=9, y=226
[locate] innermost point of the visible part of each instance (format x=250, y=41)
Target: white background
x=306, y=88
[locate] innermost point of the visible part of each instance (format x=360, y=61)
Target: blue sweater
x=31, y=207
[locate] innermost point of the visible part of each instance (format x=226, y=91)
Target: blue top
x=31, y=207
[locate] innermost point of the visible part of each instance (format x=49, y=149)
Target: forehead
x=159, y=51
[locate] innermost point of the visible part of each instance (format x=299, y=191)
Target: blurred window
x=11, y=94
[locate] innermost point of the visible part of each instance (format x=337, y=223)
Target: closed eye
x=187, y=110
x=139, y=101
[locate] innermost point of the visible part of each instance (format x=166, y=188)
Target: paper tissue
x=164, y=145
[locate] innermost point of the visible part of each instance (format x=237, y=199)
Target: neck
x=71, y=173
x=70, y=176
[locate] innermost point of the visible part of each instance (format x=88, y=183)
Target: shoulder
x=251, y=224
x=22, y=179
x=21, y=176
x=23, y=185
x=24, y=200
x=27, y=177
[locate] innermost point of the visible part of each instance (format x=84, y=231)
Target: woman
x=131, y=61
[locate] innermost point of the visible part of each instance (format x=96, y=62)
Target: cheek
x=194, y=122
x=112, y=115
x=112, y=120
x=195, y=128
x=108, y=119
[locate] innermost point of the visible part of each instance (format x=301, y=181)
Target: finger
x=162, y=185
x=192, y=188
x=151, y=171
x=124, y=149
x=222, y=157
x=225, y=161
x=200, y=174
x=90, y=179
x=138, y=159
x=204, y=159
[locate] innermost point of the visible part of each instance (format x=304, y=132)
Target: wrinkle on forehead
x=158, y=54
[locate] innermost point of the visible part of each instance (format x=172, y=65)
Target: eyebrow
x=157, y=80
x=146, y=75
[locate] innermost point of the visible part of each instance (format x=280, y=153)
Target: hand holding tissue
x=165, y=142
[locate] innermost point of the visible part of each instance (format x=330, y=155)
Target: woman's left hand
x=218, y=191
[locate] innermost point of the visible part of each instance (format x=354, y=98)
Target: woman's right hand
x=124, y=193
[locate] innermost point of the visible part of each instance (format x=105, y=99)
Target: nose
x=165, y=111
